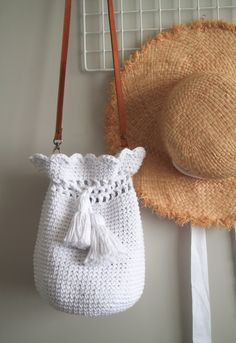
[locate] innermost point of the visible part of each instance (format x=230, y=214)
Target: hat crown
x=198, y=123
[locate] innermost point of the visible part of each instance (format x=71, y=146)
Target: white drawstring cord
x=88, y=230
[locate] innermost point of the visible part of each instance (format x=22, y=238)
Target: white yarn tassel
x=104, y=244
x=79, y=233
x=88, y=230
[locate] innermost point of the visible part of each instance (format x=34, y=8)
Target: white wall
x=30, y=32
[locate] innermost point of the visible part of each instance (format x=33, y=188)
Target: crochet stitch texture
x=61, y=277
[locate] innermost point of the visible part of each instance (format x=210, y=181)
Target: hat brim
x=146, y=79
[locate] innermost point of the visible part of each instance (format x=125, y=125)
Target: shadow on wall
x=22, y=197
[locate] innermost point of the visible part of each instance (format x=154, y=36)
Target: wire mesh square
x=137, y=21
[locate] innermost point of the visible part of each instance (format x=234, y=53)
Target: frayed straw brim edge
x=113, y=142
x=112, y=135
x=185, y=218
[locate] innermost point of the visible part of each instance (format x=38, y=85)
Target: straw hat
x=180, y=96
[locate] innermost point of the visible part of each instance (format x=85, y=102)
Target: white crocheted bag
x=89, y=253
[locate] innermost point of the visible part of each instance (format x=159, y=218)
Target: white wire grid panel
x=137, y=21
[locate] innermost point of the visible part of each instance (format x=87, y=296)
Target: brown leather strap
x=64, y=50
x=118, y=85
x=115, y=53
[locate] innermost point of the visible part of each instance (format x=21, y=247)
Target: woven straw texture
x=61, y=277
x=180, y=97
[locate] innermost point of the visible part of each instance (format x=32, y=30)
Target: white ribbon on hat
x=184, y=171
x=201, y=310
